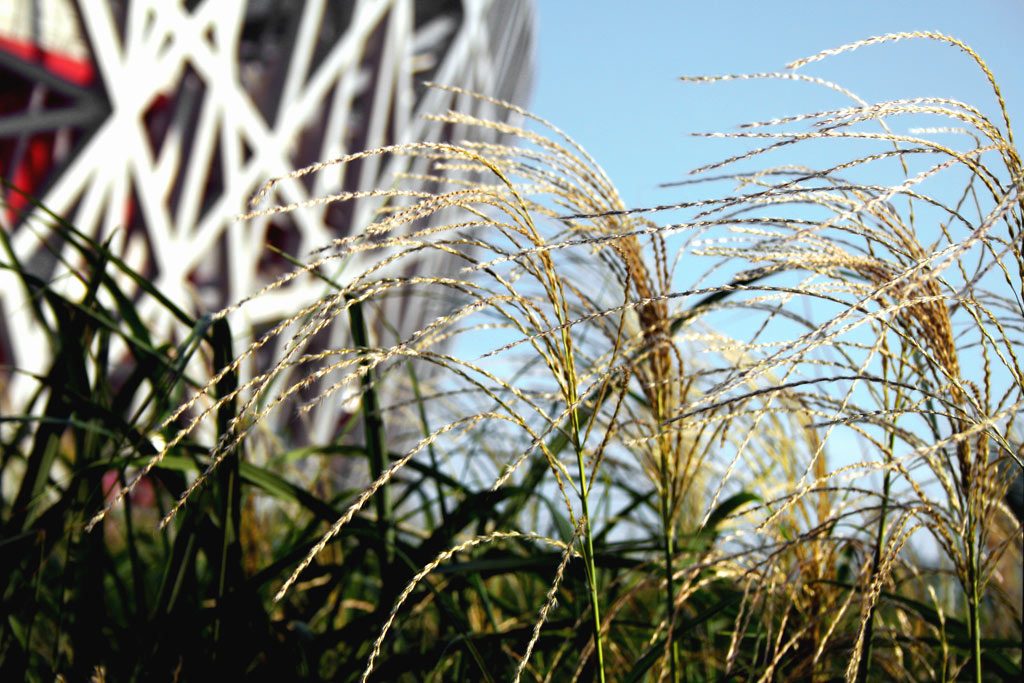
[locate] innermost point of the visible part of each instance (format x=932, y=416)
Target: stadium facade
x=149, y=124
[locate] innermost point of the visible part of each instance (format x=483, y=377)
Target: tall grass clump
x=773, y=440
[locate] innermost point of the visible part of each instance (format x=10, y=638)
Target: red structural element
x=77, y=71
x=29, y=169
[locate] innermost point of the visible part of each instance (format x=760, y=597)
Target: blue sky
x=607, y=71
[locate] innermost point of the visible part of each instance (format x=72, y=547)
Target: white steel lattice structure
x=152, y=122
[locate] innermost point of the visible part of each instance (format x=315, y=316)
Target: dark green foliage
x=626, y=505
x=135, y=601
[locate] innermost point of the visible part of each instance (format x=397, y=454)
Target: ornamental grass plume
x=934, y=283
x=818, y=493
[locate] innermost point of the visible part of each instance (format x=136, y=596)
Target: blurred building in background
x=150, y=123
